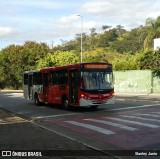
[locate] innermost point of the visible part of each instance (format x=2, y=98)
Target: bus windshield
x=100, y=80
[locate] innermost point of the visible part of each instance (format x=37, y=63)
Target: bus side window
x=52, y=77
x=39, y=78
x=63, y=77
x=45, y=79
x=59, y=77
x=56, y=77
x=25, y=79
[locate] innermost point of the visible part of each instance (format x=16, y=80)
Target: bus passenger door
x=73, y=86
x=30, y=86
x=46, y=86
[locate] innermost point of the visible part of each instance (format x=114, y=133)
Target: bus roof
x=71, y=66
x=31, y=71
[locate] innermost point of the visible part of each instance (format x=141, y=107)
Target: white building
x=156, y=44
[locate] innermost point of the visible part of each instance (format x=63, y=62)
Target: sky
x=52, y=21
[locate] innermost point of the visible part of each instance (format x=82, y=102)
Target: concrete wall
x=156, y=84
x=136, y=81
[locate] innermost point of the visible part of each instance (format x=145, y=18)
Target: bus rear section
x=33, y=86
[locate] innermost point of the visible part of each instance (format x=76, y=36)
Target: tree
x=120, y=30
x=153, y=26
x=12, y=67
x=128, y=62
x=93, y=32
x=65, y=58
x=34, y=51
x=128, y=42
x=59, y=58
x=46, y=61
x=148, y=59
x=106, y=27
x=15, y=59
x=156, y=63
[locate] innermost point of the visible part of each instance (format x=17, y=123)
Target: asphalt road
x=132, y=123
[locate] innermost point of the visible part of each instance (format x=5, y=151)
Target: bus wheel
x=36, y=100
x=65, y=103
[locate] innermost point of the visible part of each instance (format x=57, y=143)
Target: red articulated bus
x=81, y=84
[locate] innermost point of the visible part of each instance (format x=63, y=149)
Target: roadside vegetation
x=125, y=49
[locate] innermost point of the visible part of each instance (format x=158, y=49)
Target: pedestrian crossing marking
x=92, y=127
x=135, y=107
x=113, y=124
x=134, y=122
x=152, y=115
x=100, y=124
x=156, y=112
x=136, y=117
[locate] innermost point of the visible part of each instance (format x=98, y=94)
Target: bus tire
x=36, y=100
x=65, y=103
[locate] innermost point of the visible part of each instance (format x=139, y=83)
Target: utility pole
x=81, y=37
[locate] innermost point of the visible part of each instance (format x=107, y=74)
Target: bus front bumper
x=86, y=102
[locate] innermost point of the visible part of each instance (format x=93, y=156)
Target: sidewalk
x=17, y=134
x=138, y=97
x=137, y=94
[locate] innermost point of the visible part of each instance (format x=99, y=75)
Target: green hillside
x=125, y=49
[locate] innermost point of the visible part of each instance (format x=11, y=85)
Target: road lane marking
x=52, y=116
x=13, y=95
x=134, y=122
x=152, y=115
x=92, y=127
x=135, y=107
x=113, y=124
x=156, y=112
x=12, y=120
x=136, y=117
x=6, y=123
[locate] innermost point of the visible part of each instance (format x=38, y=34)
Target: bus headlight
x=82, y=95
